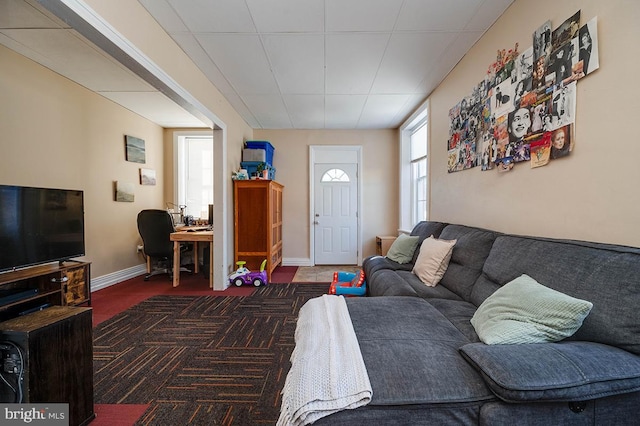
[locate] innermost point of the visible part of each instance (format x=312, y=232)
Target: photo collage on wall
x=524, y=109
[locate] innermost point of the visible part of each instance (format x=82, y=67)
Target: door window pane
x=335, y=175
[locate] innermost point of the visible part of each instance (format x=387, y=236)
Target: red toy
x=348, y=284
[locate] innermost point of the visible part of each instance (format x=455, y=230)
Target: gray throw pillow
x=402, y=249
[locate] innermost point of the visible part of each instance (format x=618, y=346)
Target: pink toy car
x=243, y=276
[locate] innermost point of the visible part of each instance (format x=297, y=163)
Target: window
x=414, y=176
x=195, y=174
x=419, y=174
x=335, y=175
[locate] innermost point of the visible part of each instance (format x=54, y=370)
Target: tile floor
x=321, y=273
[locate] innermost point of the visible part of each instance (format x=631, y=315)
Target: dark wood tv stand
x=55, y=284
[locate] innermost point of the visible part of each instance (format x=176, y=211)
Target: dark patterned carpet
x=201, y=360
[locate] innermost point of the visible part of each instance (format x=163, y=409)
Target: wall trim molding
x=116, y=277
x=296, y=261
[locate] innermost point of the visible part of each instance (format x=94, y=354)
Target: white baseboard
x=117, y=277
x=296, y=261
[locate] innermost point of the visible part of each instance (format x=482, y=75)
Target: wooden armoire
x=257, y=220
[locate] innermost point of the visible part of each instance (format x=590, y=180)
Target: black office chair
x=154, y=227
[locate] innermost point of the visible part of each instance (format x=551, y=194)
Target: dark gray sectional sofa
x=427, y=365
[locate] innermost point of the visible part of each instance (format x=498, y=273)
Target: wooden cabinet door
x=258, y=223
x=76, y=288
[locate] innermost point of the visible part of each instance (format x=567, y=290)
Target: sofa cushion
x=433, y=260
x=471, y=250
x=606, y=275
x=404, y=283
x=567, y=371
x=373, y=264
x=459, y=313
x=423, y=291
x=402, y=248
x=525, y=311
x=425, y=229
x=411, y=353
x=387, y=282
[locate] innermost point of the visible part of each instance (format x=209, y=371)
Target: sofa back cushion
x=403, y=248
x=465, y=266
x=606, y=275
x=424, y=230
x=433, y=260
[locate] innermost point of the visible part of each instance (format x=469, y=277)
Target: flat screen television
x=40, y=225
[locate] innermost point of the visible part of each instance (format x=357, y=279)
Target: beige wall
x=379, y=182
x=57, y=134
x=593, y=194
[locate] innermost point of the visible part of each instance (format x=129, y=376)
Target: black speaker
x=210, y=214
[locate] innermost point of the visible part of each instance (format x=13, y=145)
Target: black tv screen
x=39, y=225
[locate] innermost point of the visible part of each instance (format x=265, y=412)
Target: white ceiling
x=312, y=64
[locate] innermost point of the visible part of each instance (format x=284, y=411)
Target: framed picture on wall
x=124, y=192
x=147, y=177
x=134, y=149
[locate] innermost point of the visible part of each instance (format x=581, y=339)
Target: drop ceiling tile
x=354, y=15
x=165, y=14
x=241, y=108
x=380, y=111
x=269, y=110
x=487, y=14
x=297, y=61
x=241, y=59
x=192, y=48
x=214, y=16
x=432, y=79
x=287, y=15
x=412, y=103
x=452, y=56
x=417, y=52
x=352, y=61
x=306, y=111
x=436, y=15
x=343, y=111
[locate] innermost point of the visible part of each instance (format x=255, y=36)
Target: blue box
x=252, y=167
x=266, y=145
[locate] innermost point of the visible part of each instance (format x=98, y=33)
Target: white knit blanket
x=327, y=371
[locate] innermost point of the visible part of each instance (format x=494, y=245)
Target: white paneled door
x=336, y=214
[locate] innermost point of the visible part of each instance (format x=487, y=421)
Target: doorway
x=335, y=203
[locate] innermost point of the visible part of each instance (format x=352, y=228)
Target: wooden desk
x=195, y=238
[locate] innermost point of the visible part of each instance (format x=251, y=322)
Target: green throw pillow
x=524, y=311
x=402, y=249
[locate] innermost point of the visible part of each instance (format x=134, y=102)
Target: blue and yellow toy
x=348, y=284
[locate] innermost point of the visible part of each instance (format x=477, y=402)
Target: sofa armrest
x=373, y=264
x=566, y=371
